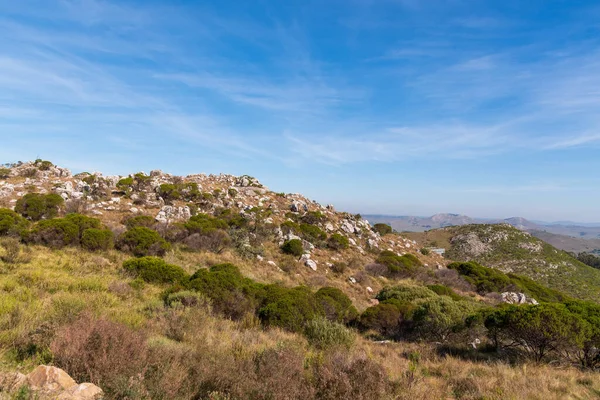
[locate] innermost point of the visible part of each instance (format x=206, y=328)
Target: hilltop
x=154, y=286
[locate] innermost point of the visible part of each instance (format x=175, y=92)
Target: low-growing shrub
x=442, y=290
x=145, y=221
x=436, y=318
x=338, y=242
x=35, y=206
x=11, y=223
x=186, y=298
x=97, y=239
x=382, y=229
x=293, y=247
x=155, y=270
x=203, y=224
x=325, y=334
x=83, y=222
x=406, y=264
x=405, y=293
x=57, y=233
x=142, y=242
x=336, y=305
x=290, y=309
x=4, y=173
x=385, y=319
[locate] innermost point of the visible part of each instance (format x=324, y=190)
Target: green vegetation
x=338, y=242
x=35, y=206
x=325, y=334
x=382, y=229
x=398, y=265
x=293, y=247
x=507, y=248
x=56, y=233
x=488, y=280
x=142, y=242
x=589, y=259
x=145, y=221
x=94, y=239
x=155, y=270
x=4, y=173
x=11, y=223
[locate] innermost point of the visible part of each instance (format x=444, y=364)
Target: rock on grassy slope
x=511, y=250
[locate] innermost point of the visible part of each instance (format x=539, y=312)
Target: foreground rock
x=50, y=383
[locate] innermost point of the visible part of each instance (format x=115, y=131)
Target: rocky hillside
x=512, y=250
x=171, y=200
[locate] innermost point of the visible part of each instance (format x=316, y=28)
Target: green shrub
x=4, y=173
x=169, y=192
x=125, y=184
x=537, y=291
x=398, y=265
x=145, y=221
x=425, y=251
x=57, y=233
x=336, y=305
x=484, y=279
x=436, y=318
x=338, y=242
x=97, y=239
x=312, y=233
x=293, y=247
x=290, y=309
x=35, y=206
x=231, y=293
x=405, y=293
x=382, y=229
x=539, y=330
x=83, y=222
x=143, y=241
x=203, y=224
x=155, y=270
x=443, y=290
x=313, y=217
x=384, y=319
x=43, y=165
x=325, y=334
x=11, y=223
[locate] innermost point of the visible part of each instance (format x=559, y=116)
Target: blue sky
x=488, y=108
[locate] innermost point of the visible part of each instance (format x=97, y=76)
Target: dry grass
x=191, y=352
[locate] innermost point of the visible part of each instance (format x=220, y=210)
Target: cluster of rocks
x=517, y=298
x=50, y=383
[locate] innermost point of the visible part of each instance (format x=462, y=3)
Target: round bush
x=140, y=220
x=83, y=222
x=290, y=309
x=155, y=270
x=336, y=305
x=385, y=319
x=35, y=206
x=293, y=247
x=11, y=223
x=97, y=239
x=382, y=229
x=143, y=241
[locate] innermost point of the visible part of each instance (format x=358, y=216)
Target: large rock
x=517, y=298
x=50, y=379
x=170, y=213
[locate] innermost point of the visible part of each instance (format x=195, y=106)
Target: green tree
x=35, y=206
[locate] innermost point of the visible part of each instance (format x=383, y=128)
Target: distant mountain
x=421, y=224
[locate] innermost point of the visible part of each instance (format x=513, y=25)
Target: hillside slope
x=512, y=250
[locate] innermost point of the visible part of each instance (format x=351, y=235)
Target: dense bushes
x=143, y=241
x=382, y=229
x=293, y=247
x=398, y=265
x=488, y=280
x=155, y=270
x=35, y=206
x=337, y=306
x=97, y=239
x=589, y=259
x=58, y=232
x=145, y=221
x=11, y=223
